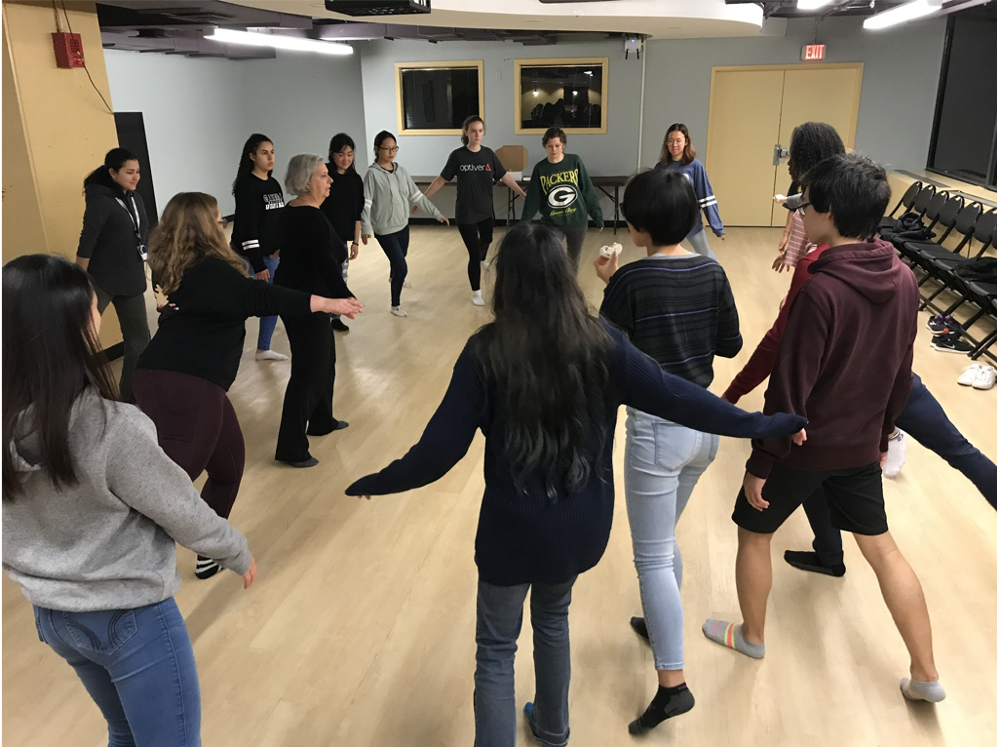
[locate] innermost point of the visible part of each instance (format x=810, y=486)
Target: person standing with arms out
x=92, y=512
x=344, y=205
x=184, y=375
x=112, y=250
x=543, y=382
x=677, y=307
x=561, y=190
x=476, y=168
x=389, y=196
x=258, y=202
x=313, y=263
x=845, y=360
x=677, y=153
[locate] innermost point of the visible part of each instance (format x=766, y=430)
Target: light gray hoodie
x=108, y=542
x=388, y=200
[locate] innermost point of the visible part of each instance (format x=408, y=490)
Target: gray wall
x=899, y=82
x=199, y=112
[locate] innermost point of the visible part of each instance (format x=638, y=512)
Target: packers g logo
x=562, y=196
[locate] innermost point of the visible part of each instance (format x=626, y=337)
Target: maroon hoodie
x=844, y=361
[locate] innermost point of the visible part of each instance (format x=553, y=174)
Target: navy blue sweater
x=523, y=537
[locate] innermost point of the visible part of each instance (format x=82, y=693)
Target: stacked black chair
x=943, y=262
x=964, y=225
x=918, y=204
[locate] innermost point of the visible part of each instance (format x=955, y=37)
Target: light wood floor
x=360, y=629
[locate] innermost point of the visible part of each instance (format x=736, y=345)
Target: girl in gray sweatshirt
x=93, y=509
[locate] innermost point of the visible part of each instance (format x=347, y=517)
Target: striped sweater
x=679, y=310
x=695, y=172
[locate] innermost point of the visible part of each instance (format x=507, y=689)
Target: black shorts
x=854, y=497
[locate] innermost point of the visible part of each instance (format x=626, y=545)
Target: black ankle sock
x=668, y=702
x=809, y=561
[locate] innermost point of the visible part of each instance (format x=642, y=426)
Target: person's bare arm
x=83, y=262
x=436, y=186
x=510, y=182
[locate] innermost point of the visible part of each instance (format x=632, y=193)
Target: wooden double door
x=753, y=111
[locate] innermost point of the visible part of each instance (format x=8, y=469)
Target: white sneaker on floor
x=485, y=265
x=986, y=378
x=896, y=454
x=270, y=355
x=970, y=374
x=476, y=298
x=398, y=311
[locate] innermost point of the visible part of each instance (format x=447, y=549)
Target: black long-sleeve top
x=344, y=205
x=523, y=537
x=202, y=326
x=114, y=224
x=312, y=255
x=258, y=205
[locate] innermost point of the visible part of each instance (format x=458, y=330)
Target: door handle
x=779, y=155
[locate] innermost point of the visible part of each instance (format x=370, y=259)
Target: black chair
x=918, y=206
x=942, y=263
x=907, y=201
x=984, y=345
x=963, y=224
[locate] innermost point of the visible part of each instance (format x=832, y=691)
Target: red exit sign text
x=813, y=52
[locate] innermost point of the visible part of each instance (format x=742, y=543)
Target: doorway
x=753, y=111
x=131, y=135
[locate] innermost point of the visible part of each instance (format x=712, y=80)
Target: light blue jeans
x=137, y=665
x=500, y=618
x=699, y=244
x=267, y=323
x=664, y=461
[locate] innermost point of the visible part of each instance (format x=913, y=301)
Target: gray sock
x=932, y=692
x=729, y=635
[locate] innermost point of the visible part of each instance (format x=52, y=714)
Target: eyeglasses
x=389, y=150
x=802, y=208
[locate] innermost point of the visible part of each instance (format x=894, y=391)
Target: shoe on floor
x=206, y=567
x=337, y=324
x=986, y=378
x=476, y=298
x=640, y=628
x=340, y=424
x=309, y=462
x=405, y=284
x=270, y=355
x=941, y=324
x=398, y=311
x=896, y=454
x=486, y=265
x=950, y=343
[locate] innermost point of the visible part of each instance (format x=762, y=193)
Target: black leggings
x=477, y=238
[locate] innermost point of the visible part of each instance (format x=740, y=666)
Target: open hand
x=263, y=275
x=753, y=491
x=348, y=307
x=445, y=220
x=249, y=576
x=780, y=263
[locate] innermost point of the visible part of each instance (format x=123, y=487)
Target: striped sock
x=728, y=634
x=206, y=567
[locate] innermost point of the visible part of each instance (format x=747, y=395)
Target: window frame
x=519, y=64
x=436, y=65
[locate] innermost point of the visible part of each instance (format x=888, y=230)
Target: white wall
x=198, y=112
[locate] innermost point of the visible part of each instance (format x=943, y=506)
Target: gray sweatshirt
x=388, y=200
x=108, y=542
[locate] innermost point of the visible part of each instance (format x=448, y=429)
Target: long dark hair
x=548, y=359
x=114, y=160
x=338, y=142
x=379, y=139
x=49, y=358
x=810, y=144
x=245, y=162
x=466, y=126
x=688, y=153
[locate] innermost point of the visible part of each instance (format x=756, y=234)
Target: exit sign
x=813, y=52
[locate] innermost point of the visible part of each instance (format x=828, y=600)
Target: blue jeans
x=925, y=421
x=663, y=463
x=346, y=268
x=700, y=245
x=267, y=323
x=395, y=245
x=500, y=618
x=137, y=665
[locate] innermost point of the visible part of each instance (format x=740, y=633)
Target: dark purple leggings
x=197, y=429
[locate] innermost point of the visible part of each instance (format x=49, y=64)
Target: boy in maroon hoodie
x=845, y=363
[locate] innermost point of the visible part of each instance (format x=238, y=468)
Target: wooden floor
x=360, y=629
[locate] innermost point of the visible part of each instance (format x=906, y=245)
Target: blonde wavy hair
x=187, y=233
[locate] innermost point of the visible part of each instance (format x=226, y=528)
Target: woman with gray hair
x=312, y=255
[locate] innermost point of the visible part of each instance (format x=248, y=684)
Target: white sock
x=896, y=454
x=476, y=298
x=933, y=692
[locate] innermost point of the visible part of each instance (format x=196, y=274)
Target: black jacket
x=109, y=239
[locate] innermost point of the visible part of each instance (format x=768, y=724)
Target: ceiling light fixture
x=901, y=14
x=811, y=4
x=278, y=41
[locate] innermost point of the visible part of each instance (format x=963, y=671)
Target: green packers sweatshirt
x=563, y=193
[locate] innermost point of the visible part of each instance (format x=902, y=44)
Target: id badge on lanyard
x=142, y=252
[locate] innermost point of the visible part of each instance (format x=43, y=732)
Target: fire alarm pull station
x=68, y=50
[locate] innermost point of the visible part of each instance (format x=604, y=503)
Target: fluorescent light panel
x=900, y=14
x=292, y=43
x=811, y=4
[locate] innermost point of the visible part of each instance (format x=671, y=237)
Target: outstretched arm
x=508, y=181
x=444, y=442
